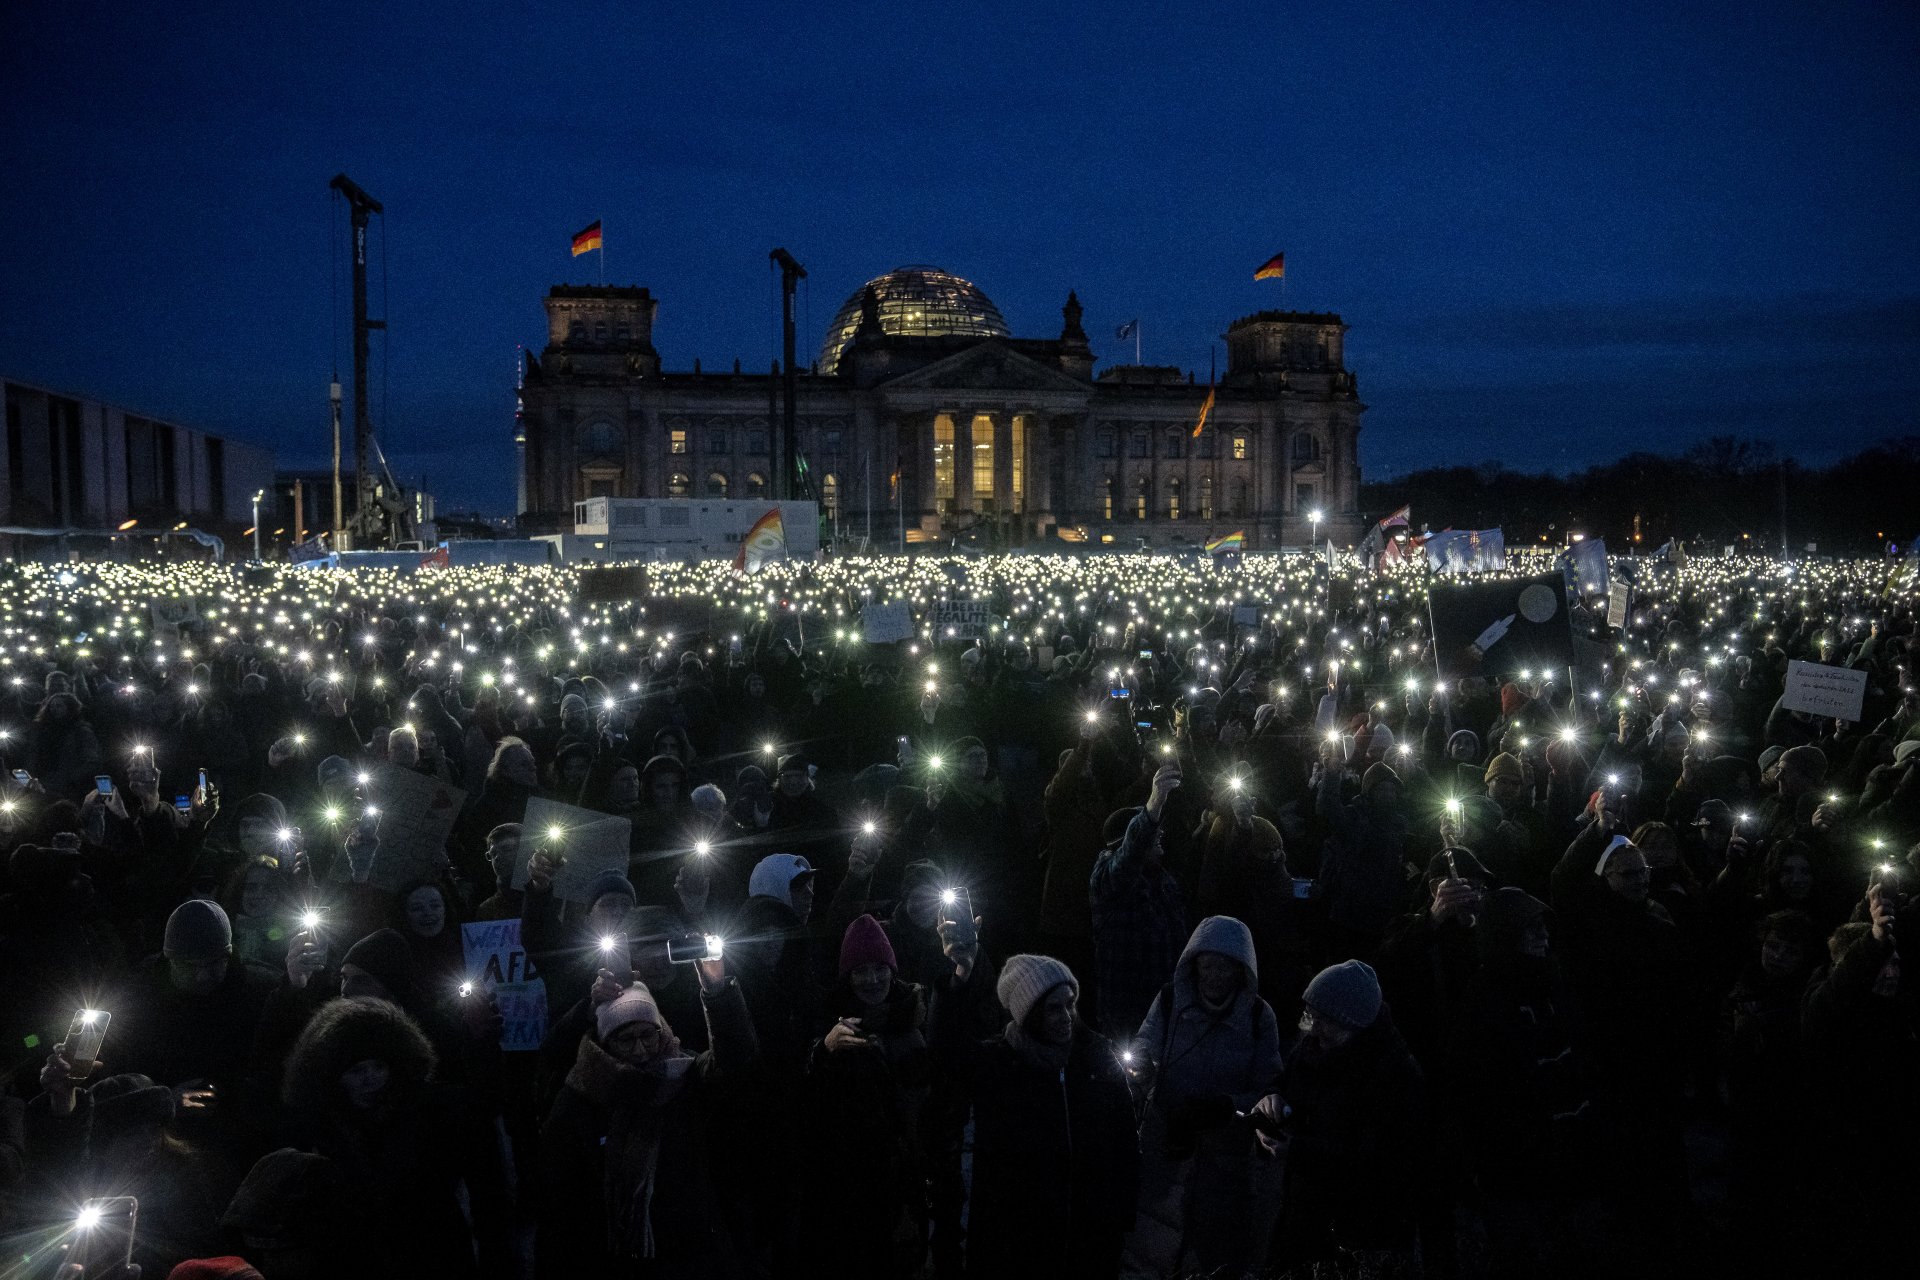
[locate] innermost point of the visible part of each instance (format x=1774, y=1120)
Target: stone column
x=962, y=460
x=1003, y=464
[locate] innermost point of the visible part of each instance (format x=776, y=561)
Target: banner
x=962, y=619
x=1466, y=550
x=1499, y=627
x=1585, y=566
x=497, y=965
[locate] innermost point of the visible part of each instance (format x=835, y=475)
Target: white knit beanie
x=635, y=1004
x=1025, y=981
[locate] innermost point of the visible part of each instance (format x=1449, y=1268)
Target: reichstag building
x=925, y=420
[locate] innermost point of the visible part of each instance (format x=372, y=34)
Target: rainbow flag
x=1274, y=268
x=1235, y=541
x=767, y=540
x=588, y=240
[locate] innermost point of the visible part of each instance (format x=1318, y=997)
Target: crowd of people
x=1123, y=915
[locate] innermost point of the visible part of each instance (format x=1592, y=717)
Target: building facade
x=925, y=419
x=79, y=463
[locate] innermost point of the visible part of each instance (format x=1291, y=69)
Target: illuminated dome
x=918, y=302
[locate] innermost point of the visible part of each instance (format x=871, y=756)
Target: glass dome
x=916, y=301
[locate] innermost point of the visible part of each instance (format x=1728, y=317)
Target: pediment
x=987, y=366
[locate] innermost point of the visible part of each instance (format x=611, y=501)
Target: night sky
x=1556, y=235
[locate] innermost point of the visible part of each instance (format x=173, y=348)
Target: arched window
x=1174, y=489
x=1306, y=447
x=830, y=493
x=1142, y=495
x=679, y=485
x=716, y=484
x=1106, y=498
x=1238, y=497
x=1175, y=443
x=756, y=485
x=1206, y=497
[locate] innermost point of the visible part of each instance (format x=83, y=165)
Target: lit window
x=1206, y=497
x=679, y=485
x=1173, y=499
x=943, y=461
x=830, y=493
x=983, y=462
x=1106, y=498
x=676, y=441
x=1239, y=448
x=1142, y=491
x=1019, y=446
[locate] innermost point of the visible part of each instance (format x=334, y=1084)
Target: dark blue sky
x=1557, y=235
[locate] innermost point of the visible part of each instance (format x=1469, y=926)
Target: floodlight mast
x=359, y=206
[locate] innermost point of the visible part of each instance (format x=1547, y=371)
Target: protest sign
x=962, y=619
x=416, y=814
x=1827, y=692
x=170, y=615
x=887, y=623
x=1619, y=604
x=1498, y=627
x=497, y=965
x=1246, y=615
x=590, y=845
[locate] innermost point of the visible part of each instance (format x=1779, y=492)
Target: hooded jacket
x=1201, y=1053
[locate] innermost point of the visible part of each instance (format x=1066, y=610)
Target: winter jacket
x=1139, y=925
x=1363, y=867
x=1055, y=1157
x=616, y=1135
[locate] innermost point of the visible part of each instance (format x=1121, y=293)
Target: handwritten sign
x=887, y=623
x=1829, y=692
x=1619, y=604
x=417, y=814
x=591, y=845
x=961, y=619
x=497, y=964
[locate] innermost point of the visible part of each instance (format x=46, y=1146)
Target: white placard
x=591, y=844
x=1828, y=692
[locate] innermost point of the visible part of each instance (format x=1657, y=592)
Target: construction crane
x=380, y=515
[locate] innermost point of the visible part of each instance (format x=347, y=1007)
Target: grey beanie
x=610, y=882
x=1348, y=993
x=197, y=930
x=1025, y=981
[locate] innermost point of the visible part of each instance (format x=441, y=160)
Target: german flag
x=1206, y=409
x=588, y=240
x=1274, y=268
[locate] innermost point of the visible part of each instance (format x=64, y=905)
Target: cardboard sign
x=614, y=584
x=1499, y=627
x=592, y=844
x=887, y=623
x=417, y=814
x=1246, y=615
x=967, y=619
x=1619, y=604
x=1828, y=692
x=497, y=965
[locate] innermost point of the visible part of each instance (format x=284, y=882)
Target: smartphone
x=695, y=946
x=203, y=780
x=956, y=908
x=103, y=784
x=1302, y=889
x=1146, y=655
x=183, y=803
x=1264, y=1123
x=84, y=1036
x=103, y=1234
x=293, y=840
x=1117, y=691
x=22, y=777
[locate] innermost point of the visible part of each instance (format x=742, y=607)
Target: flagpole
x=1136, y=342
x=603, y=253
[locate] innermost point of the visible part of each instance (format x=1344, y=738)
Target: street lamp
x=257, y=495
x=1313, y=523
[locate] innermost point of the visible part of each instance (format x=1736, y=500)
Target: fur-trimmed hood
x=347, y=1031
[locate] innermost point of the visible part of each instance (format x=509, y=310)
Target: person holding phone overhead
x=1139, y=913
